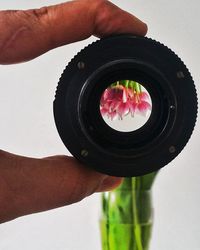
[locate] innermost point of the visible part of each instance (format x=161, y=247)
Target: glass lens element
x=125, y=105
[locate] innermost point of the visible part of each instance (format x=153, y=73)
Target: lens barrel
x=147, y=149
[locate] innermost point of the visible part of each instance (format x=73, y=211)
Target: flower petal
x=144, y=96
x=125, y=95
x=104, y=111
x=114, y=105
x=113, y=115
x=143, y=107
x=132, y=107
x=123, y=109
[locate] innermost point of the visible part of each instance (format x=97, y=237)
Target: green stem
x=126, y=215
x=137, y=87
x=136, y=226
x=108, y=225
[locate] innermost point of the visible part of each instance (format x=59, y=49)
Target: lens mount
x=147, y=149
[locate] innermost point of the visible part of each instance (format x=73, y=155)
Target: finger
x=32, y=185
x=28, y=34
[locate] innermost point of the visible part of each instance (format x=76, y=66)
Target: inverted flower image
x=124, y=98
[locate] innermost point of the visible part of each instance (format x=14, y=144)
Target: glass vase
x=127, y=215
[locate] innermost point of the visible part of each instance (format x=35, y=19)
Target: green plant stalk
x=135, y=86
x=136, y=227
x=126, y=222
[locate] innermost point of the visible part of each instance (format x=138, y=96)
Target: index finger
x=28, y=34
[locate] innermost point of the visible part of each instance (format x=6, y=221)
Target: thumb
x=34, y=185
x=79, y=181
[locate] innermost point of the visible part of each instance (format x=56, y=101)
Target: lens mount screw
x=81, y=65
x=84, y=153
x=180, y=74
x=172, y=107
x=172, y=149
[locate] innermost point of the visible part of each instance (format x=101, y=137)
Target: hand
x=30, y=185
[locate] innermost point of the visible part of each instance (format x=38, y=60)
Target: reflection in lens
x=125, y=105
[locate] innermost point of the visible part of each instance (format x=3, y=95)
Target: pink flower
x=123, y=109
x=143, y=107
x=144, y=96
x=118, y=101
x=113, y=115
x=132, y=107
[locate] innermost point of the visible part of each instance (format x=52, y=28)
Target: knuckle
x=82, y=186
x=33, y=16
x=78, y=192
x=103, y=10
x=106, y=18
x=40, y=13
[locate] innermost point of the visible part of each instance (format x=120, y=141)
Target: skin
x=29, y=185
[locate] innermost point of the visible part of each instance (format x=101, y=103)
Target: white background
x=27, y=128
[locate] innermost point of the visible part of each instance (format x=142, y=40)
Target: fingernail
x=110, y=183
x=145, y=28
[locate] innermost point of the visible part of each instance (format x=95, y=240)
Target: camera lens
x=125, y=105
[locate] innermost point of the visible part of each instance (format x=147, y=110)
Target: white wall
x=27, y=127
